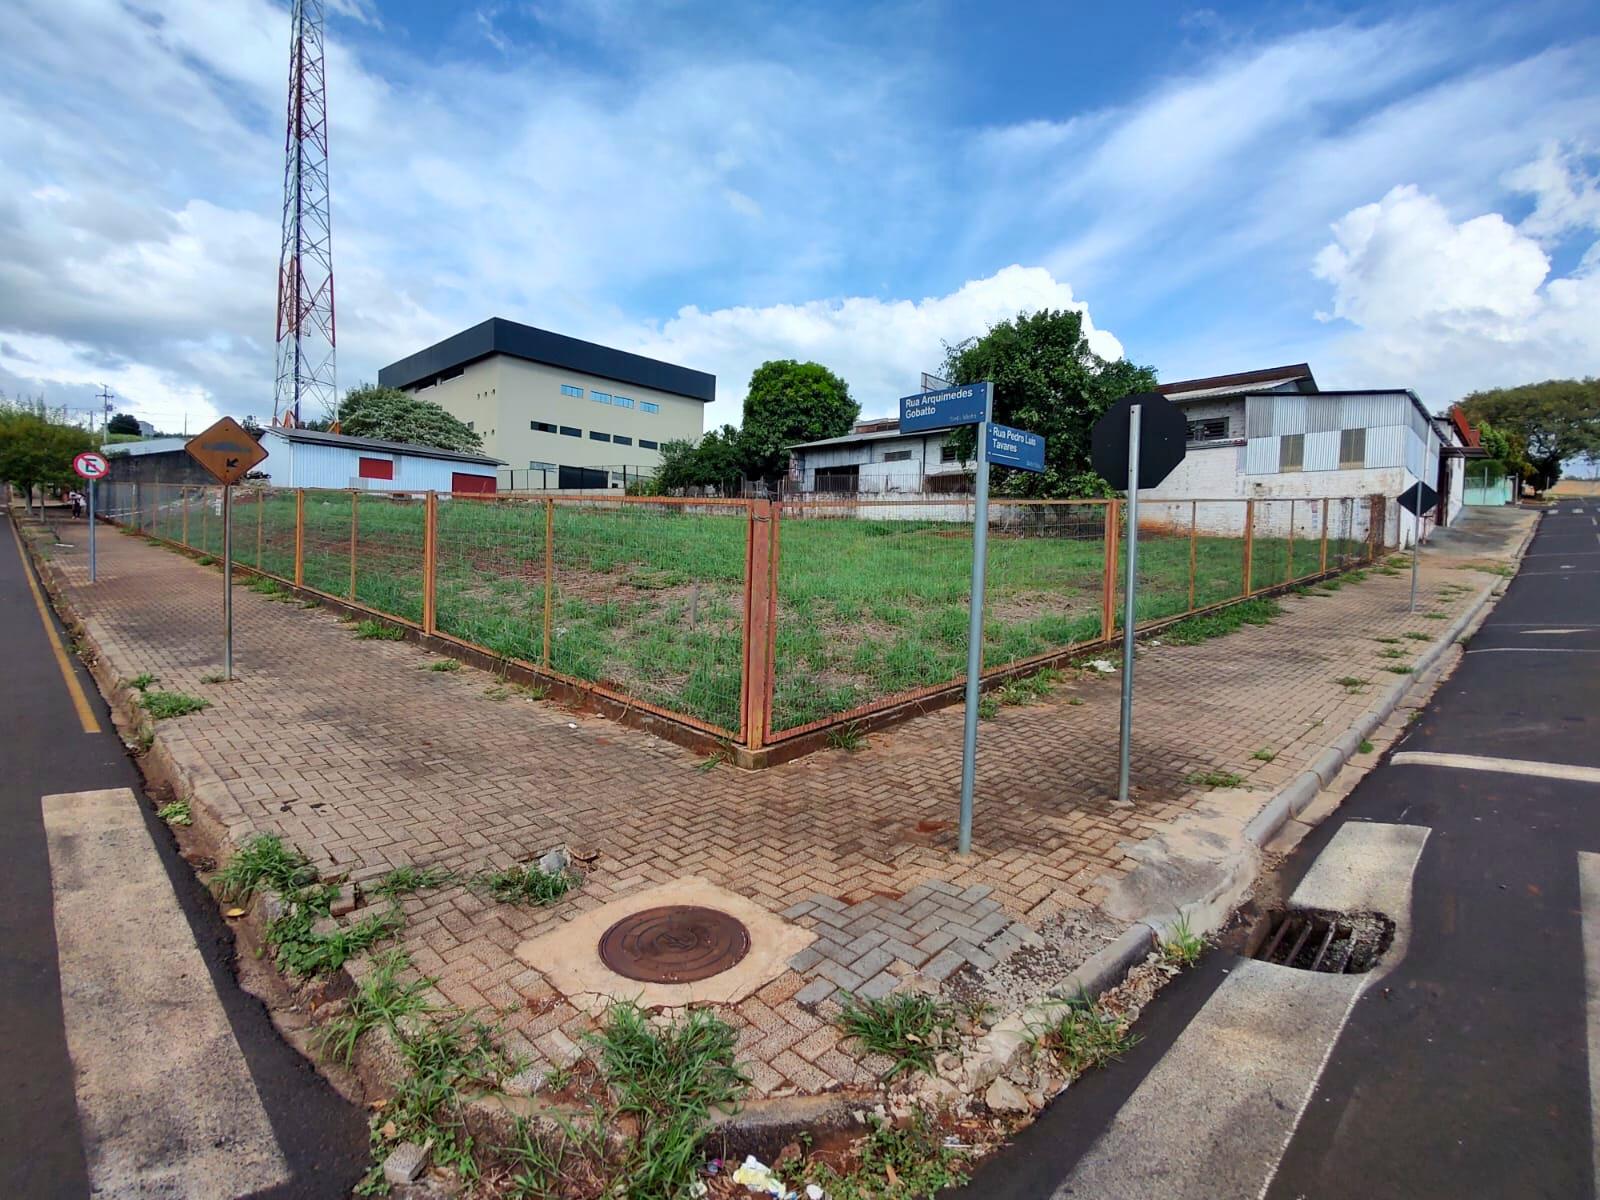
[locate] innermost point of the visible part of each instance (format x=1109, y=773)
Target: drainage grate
x=677, y=943
x=1333, y=943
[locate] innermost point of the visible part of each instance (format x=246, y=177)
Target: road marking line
x=166, y=1101
x=86, y=717
x=1508, y=766
x=1589, y=886
x=1534, y=649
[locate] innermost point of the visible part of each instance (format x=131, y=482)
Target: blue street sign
x=943, y=409
x=1017, y=448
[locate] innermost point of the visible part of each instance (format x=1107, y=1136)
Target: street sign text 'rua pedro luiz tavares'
x=226, y=450
x=1016, y=448
x=963, y=405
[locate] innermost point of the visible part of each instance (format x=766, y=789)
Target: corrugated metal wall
x=1394, y=430
x=308, y=465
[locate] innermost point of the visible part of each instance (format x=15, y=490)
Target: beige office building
x=559, y=412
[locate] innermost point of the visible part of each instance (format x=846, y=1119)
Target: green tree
x=396, y=416
x=1046, y=380
x=1556, y=420
x=123, y=423
x=38, y=452
x=790, y=402
x=715, y=461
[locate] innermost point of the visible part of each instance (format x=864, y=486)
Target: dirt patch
x=1068, y=940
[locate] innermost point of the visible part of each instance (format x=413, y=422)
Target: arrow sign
x=226, y=450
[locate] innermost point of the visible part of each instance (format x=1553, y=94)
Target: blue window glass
x=596, y=436
x=647, y=444
x=568, y=389
x=622, y=401
x=618, y=439
x=569, y=431
x=601, y=397
x=649, y=406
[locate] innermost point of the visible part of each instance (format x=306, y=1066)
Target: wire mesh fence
x=758, y=620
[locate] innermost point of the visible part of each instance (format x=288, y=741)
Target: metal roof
x=499, y=336
x=879, y=436
x=164, y=445
x=1223, y=385
x=319, y=438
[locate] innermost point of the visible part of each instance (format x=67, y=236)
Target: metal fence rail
x=752, y=620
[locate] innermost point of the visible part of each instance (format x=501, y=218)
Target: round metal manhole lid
x=676, y=943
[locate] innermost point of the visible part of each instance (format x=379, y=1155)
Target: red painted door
x=472, y=485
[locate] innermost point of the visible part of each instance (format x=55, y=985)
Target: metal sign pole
x=1125, y=747
x=1416, y=517
x=92, y=567
x=980, y=562
x=227, y=582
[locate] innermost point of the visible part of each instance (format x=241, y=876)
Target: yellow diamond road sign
x=226, y=450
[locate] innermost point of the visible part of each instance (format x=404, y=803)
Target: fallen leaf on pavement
x=235, y=912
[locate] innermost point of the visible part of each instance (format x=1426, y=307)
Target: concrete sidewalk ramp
x=1215, y=1115
x=166, y=1100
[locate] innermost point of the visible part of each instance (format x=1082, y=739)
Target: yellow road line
x=90, y=722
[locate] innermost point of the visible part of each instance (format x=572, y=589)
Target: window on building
x=375, y=468
x=1292, y=452
x=947, y=453
x=541, y=426
x=569, y=431
x=622, y=401
x=897, y=456
x=647, y=444
x=619, y=440
x=1352, y=448
x=541, y=466
x=649, y=406
x=596, y=436
x=568, y=389
x=600, y=397
x=1210, y=429
x=472, y=424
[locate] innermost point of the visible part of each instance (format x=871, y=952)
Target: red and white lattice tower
x=305, y=265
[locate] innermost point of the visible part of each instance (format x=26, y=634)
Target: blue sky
x=1401, y=195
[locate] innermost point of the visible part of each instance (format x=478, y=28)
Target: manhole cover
x=1332, y=943
x=677, y=943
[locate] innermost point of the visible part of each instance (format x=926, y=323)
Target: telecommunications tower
x=305, y=374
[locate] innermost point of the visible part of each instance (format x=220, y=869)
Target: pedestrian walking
x=77, y=503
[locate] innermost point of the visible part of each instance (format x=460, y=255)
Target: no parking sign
x=91, y=466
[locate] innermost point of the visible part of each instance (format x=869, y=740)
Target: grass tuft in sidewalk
x=909, y=1027
x=162, y=705
x=1194, y=630
x=1085, y=1036
x=526, y=884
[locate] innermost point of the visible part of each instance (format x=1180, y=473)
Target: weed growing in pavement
x=1265, y=754
x=667, y=1078
x=1351, y=684
x=909, y=1027
x=214, y=677
x=403, y=881
x=497, y=691
x=1398, y=670
x=176, y=813
x=301, y=950
x=146, y=739
x=988, y=707
x=1388, y=641
x=380, y=631
x=205, y=560
x=382, y=999
x=904, y=1163
x=445, y=664
x=1193, y=630
x=162, y=705
x=713, y=760
x=1329, y=586
x=1435, y=616
x=847, y=737
x=265, y=586
x=1391, y=653
x=1074, y=700
x=311, y=602
x=1365, y=747
x=526, y=885
x=1357, y=576
x=263, y=861
x=1419, y=637
x=142, y=681
x=1030, y=688
x=544, y=1166
x=1184, y=947
x=1385, y=570
x=1084, y=1036
x=1219, y=779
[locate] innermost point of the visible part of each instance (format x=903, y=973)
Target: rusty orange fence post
x=1194, y=517
x=430, y=563
x=299, y=537
x=760, y=625
x=354, y=518
x=1288, y=566
x=1249, y=540
x=1108, y=586
x=549, y=573
x=1322, y=562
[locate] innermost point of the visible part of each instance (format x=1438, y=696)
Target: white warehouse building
x=309, y=458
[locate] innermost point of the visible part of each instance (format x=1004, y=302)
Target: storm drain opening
x=1329, y=942
x=674, y=943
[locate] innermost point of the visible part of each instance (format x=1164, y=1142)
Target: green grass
x=1352, y=684
x=1265, y=754
x=301, y=950
x=380, y=631
x=1365, y=747
x=988, y=706
x=1217, y=779
x=897, y=1162
x=1194, y=630
x=176, y=813
x=263, y=861
x=1085, y=1036
x=142, y=681
x=1398, y=670
x=382, y=999
x=214, y=677
x=404, y=881
x=445, y=664
x=526, y=884
x=164, y=705
x=1419, y=637
x=1184, y=947
x=1388, y=641
x=849, y=736
x=1028, y=689
x=909, y=1028
x=1391, y=653
x=1435, y=616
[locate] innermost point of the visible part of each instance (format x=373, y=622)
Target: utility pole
x=106, y=396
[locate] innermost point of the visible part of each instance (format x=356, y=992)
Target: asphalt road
x=46, y=750
x=1465, y=1070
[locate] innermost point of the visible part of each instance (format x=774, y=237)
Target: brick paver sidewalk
x=357, y=755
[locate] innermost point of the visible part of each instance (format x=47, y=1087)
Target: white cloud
x=879, y=347
x=1566, y=196
x=1464, y=305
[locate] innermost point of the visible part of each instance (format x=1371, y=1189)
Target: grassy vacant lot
x=650, y=599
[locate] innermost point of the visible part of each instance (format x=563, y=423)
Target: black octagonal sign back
x=1163, y=436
